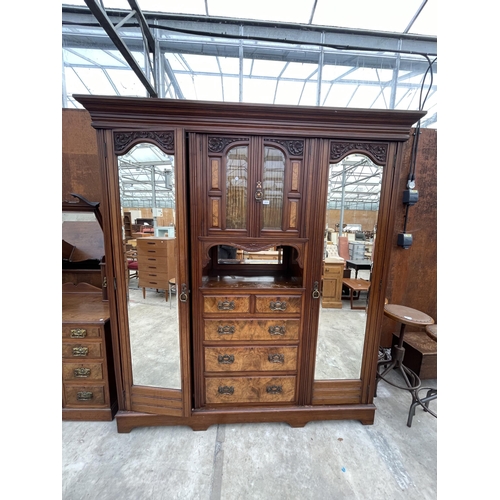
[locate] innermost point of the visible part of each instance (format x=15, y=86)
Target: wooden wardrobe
x=250, y=208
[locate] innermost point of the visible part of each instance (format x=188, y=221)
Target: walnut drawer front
x=81, y=332
x=84, y=395
x=226, y=304
x=82, y=371
x=83, y=350
x=229, y=390
x=278, y=304
x=272, y=330
x=240, y=359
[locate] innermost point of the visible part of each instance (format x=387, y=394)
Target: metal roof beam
x=109, y=28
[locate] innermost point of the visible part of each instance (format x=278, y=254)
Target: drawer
x=230, y=390
x=151, y=263
x=81, y=332
x=241, y=359
x=153, y=275
x=282, y=304
x=82, y=371
x=152, y=251
x=334, y=271
x=153, y=283
x=226, y=304
x=228, y=330
x=84, y=395
x=83, y=350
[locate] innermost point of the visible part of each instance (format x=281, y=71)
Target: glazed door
x=252, y=185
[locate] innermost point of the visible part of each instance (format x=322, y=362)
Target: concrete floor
x=323, y=460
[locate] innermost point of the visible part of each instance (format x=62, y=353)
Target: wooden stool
x=431, y=331
x=405, y=316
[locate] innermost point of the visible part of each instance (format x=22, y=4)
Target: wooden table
x=358, y=264
x=356, y=286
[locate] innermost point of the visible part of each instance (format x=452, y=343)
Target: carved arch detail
x=218, y=144
x=376, y=151
x=125, y=141
x=294, y=147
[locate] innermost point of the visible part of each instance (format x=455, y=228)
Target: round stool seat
x=407, y=315
x=432, y=331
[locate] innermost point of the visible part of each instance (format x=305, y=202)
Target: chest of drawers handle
x=80, y=351
x=274, y=389
x=226, y=305
x=81, y=372
x=277, y=330
x=84, y=395
x=225, y=389
x=276, y=358
x=78, y=333
x=225, y=330
x=226, y=359
x=277, y=305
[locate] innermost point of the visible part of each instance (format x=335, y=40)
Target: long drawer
x=230, y=390
x=82, y=350
x=241, y=359
x=224, y=330
x=79, y=332
x=84, y=395
x=82, y=371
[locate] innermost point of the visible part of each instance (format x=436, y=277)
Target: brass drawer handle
x=225, y=330
x=78, y=333
x=274, y=389
x=80, y=351
x=277, y=305
x=226, y=305
x=276, y=358
x=84, y=396
x=226, y=359
x=277, y=330
x=81, y=372
x=225, y=389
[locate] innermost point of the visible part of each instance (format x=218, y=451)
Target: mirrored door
x=353, y=199
x=147, y=197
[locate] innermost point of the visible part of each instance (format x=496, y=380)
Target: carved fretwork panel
x=377, y=151
x=124, y=141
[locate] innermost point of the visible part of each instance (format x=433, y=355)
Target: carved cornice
x=294, y=147
x=218, y=144
x=123, y=141
x=375, y=150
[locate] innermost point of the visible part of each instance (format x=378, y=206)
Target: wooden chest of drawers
x=88, y=381
x=251, y=347
x=156, y=263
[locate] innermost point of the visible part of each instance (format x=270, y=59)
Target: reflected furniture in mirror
x=88, y=377
x=250, y=211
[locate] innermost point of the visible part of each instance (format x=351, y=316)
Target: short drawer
x=333, y=271
x=83, y=350
x=84, y=395
x=261, y=330
x=82, y=371
x=226, y=304
x=241, y=359
x=278, y=304
x=151, y=263
x=81, y=332
x=230, y=390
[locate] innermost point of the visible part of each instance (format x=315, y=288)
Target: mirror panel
x=227, y=254
x=351, y=221
x=147, y=195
